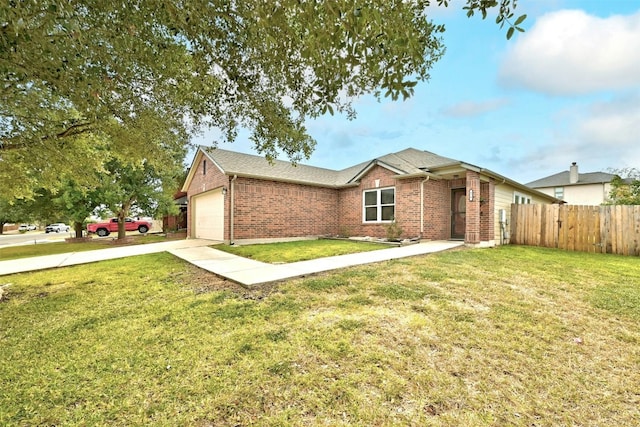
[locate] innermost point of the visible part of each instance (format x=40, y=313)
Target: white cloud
x=598, y=137
x=472, y=108
x=613, y=128
x=570, y=52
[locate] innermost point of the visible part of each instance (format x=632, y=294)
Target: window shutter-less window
x=379, y=205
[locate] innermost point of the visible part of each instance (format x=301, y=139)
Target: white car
x=57, y=227
x=27, y=227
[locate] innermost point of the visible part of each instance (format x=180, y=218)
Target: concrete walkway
x=249, y=273
x=75, y=258
x=238, y=269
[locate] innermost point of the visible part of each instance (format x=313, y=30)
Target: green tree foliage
x=43, y=206
x=119, y=182
x=77, y=202
x=625, y=191
x=142, y=188
x=77, y=73
x=7, y=213
x=16, y=210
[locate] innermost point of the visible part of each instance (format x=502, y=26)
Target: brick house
x=236, y=197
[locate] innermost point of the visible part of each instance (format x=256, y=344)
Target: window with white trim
x=521, y=199
x=379, y=205
x=559, y=193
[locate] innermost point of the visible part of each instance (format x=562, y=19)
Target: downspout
x=231, y=208
x=422, y=205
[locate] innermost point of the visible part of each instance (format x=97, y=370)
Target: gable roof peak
x=421, y=159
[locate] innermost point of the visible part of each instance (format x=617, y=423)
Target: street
x=11, y=238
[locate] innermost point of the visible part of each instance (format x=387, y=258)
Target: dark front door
x=458, y=213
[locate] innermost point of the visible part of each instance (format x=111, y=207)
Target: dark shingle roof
x=409, y=161
x=419, y=159
x=232, y=162
x=562, y=179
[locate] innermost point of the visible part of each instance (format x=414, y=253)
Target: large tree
x=39, y=208
x=146, y=188
x=77, y=202
x=7, y=213
x=625, y=191
x=72, y=69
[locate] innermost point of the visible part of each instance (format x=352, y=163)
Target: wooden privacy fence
x=602, y=229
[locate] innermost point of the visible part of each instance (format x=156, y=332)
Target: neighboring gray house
x=576, y=188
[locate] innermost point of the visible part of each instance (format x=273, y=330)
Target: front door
x=458, y=213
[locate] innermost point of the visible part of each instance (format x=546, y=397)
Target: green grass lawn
x=511, y=336
x=301, y=250
x=41, y=249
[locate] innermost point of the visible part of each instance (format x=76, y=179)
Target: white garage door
x=209, y=215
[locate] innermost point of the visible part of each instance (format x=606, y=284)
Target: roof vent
x=573, y=173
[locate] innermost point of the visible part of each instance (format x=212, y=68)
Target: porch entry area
x=458, y=213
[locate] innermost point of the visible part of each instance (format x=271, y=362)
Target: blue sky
x=567, y=90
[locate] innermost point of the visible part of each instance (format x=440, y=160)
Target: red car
x=105, y=228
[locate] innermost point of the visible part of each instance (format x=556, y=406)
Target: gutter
x=292, y=181
x=519, y=186
x=418, y=175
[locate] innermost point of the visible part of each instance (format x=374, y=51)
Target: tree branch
x=73, y=130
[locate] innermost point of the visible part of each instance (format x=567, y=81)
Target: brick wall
x=487, y=206
x=408, y=206
x=437, y=209
x=270, y=209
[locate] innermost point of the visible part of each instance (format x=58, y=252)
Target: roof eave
x=192, y=170
x=471, y=167
x=418, y=175
x=572, y=184
x=504, y=179
x=371, y=165
x=287, y=180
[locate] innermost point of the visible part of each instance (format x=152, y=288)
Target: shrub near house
x=130, y=224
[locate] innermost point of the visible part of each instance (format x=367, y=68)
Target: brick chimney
x=573, y=173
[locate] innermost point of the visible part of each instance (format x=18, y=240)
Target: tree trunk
x=77, y=228
x=122, y=215
x=1, y=228
x=122, y=231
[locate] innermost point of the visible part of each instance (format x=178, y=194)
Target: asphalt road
x=11, y=238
